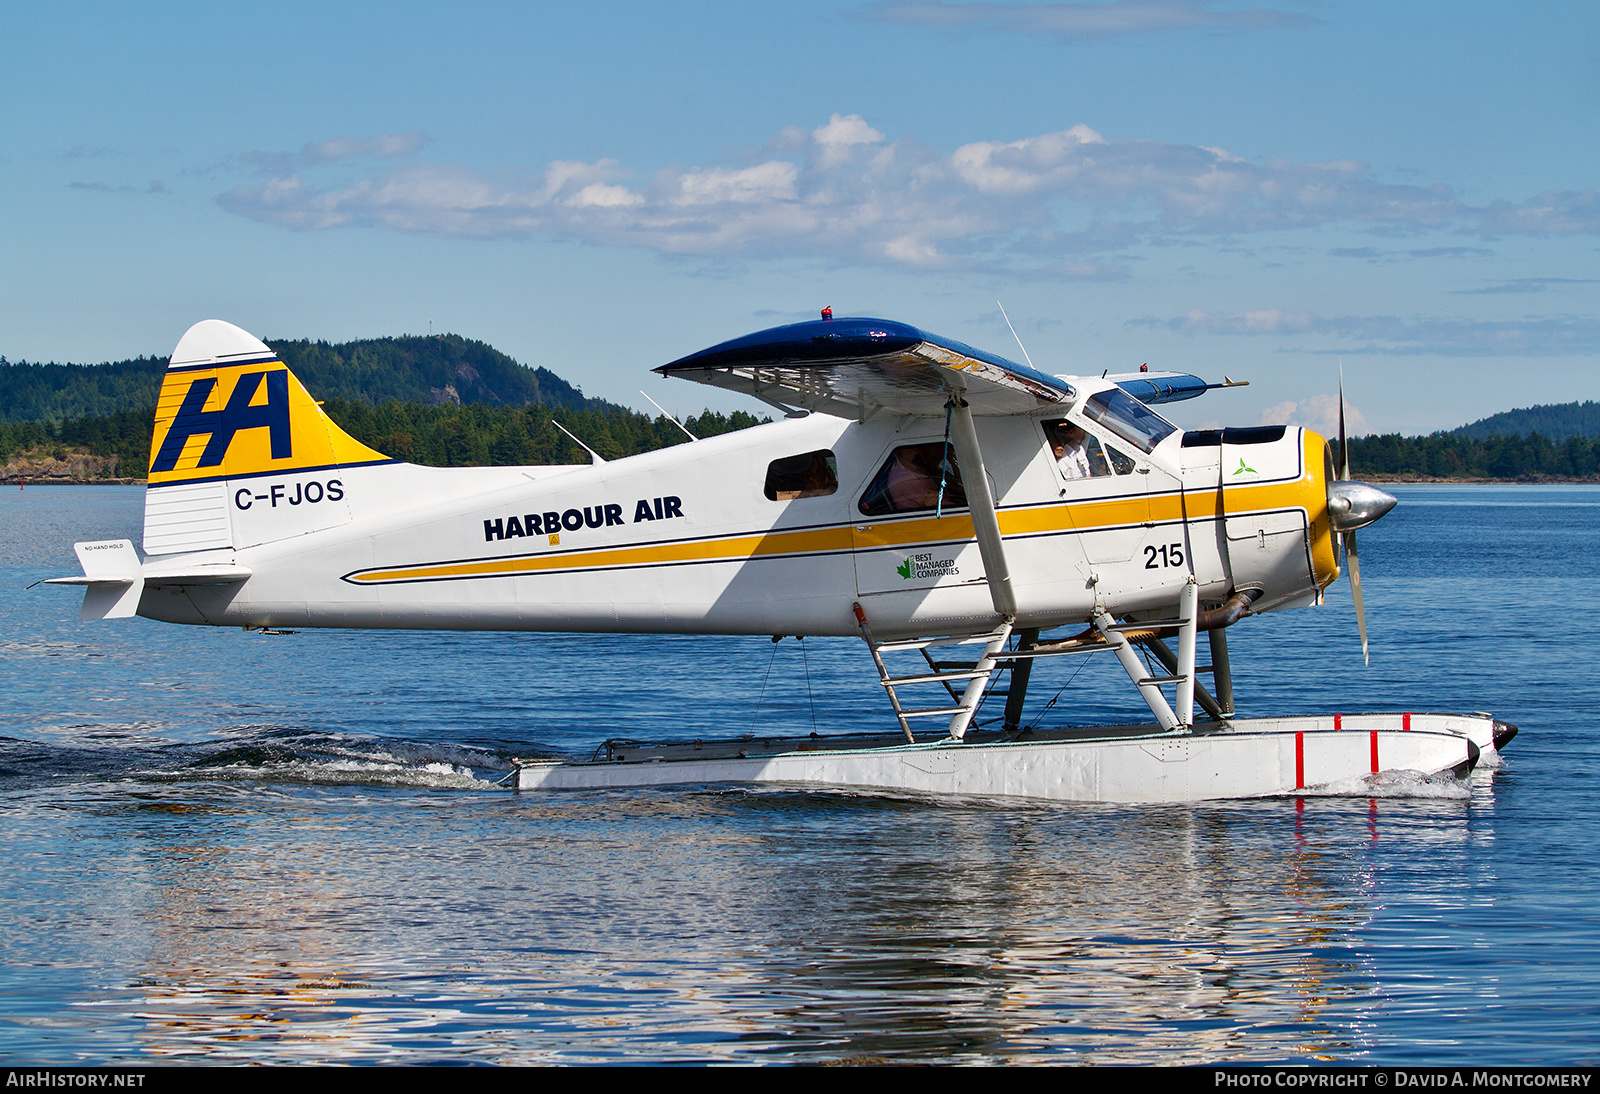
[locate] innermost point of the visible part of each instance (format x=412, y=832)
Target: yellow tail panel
x=229, y=409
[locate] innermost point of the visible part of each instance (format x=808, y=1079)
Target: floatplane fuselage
x=920, y=494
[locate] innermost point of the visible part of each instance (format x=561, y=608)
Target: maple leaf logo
x=904, y=569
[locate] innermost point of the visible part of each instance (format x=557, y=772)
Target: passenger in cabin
x=912, y=484
x=808, y=475
x=909, y=479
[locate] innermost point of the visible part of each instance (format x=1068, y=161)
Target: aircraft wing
x=1166, y=387
x=851, y=368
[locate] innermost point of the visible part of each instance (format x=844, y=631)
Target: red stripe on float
x=1299, y=761
x=1374, y=752
x=1405, y=722
x=1336, y=720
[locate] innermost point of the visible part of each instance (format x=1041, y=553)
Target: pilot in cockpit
x=1071, y=456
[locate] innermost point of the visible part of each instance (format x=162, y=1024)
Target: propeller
x=1348, y=539
x=1353, y=505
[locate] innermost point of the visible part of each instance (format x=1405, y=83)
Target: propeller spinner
x=1353, y=505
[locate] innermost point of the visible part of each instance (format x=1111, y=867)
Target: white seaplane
x=920, y=494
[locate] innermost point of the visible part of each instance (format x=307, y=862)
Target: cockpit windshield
x=1128, y=418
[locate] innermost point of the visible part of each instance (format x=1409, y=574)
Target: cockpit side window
x=1078, y=454
x=1128, y=418
x=809, y=475
x=909, y=481
x=1121, y=462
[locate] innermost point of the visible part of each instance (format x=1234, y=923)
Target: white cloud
x=1525, y=285
x=1353, y=335
x=1373, y=254
x=1318, y=412
x=842, y=134
x=843, y=191
x=1026, y=166
x=277, y=165
x=1267, y=321
x=599, y=195
x=1077, y=22
x=1553, y=213
x=771, y=181
x=384, y=147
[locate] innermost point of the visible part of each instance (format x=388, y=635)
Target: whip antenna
x=669, y=417
x=597, y=457
x=1014, y=334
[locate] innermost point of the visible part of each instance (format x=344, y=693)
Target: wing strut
x=981, y=503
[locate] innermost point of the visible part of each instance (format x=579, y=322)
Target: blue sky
x=1259, y=191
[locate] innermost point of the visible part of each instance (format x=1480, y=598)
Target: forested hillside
x=1452, y=456
x=449, y=401
x=439, y=436
x=1556, y=422
x=434, y=370
x=36, y=393
x=443, y=400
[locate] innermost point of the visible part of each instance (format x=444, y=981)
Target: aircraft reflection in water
x=1166, y=935
x=922, y=494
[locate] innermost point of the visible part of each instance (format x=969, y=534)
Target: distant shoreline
x=1521, y=480
x=27, y=480
x=1388, y=480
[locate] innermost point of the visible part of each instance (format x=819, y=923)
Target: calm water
x=228, y=847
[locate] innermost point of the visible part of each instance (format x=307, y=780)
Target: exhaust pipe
x=1233, y=610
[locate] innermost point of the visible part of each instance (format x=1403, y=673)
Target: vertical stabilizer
x=240, y=449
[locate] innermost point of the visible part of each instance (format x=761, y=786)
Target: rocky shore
x=63, y=467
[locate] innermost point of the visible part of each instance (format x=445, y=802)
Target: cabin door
x=912, y=532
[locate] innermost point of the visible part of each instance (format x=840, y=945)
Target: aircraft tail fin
x=229, y=410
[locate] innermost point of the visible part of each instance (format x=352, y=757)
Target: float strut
x=1169, y=661
x=1149, y=687
x=1189, y=612
x=1221, y=672
x=973, y=695
x=1017, y=687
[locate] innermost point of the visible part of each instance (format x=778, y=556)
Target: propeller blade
x=1344, y=448
x=1350, y=507
x=1355, y=592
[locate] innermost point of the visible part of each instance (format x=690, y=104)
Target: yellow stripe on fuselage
x=899, y=534
x=710, y=550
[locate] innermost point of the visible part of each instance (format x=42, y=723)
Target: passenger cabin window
x=1128, y=418
x=909, y=481
x=1078, y=454
x=811, y=475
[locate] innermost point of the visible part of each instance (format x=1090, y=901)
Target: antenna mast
x=1014, y=334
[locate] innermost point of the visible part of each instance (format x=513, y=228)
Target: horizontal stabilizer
x=854, y=367
x=220, y=574
x=112, y=576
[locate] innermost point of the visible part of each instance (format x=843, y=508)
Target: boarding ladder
x=974, y=674
x=1104, y=633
